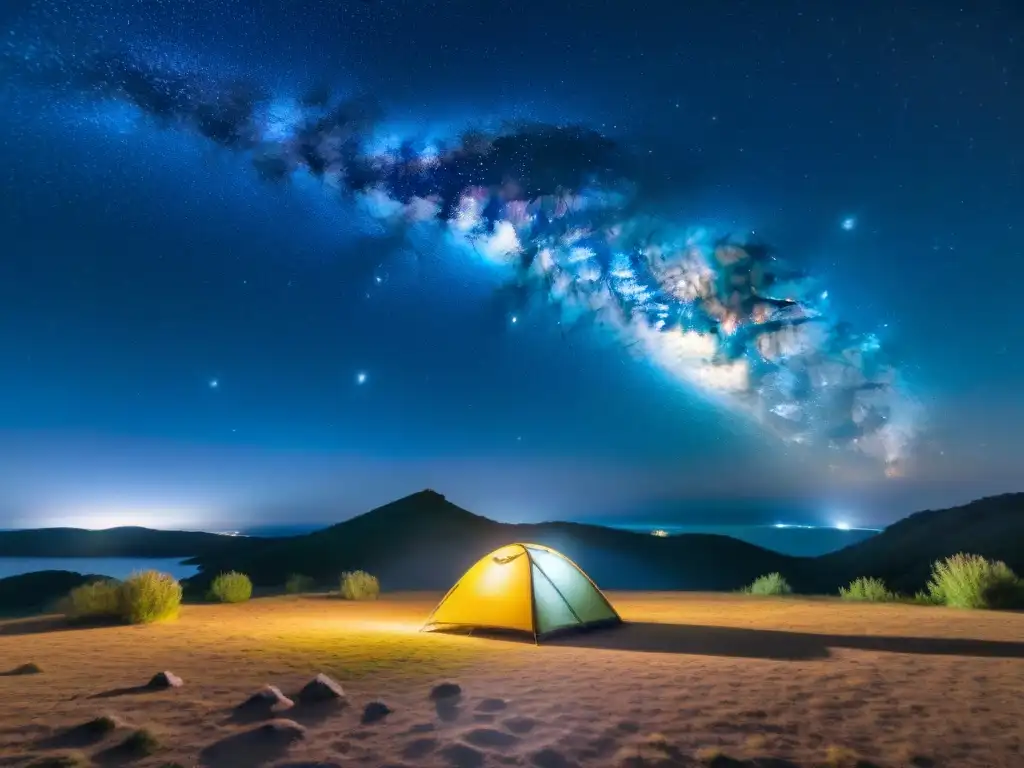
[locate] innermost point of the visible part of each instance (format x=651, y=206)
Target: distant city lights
x=661, y=533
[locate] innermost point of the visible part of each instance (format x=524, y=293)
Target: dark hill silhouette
x=113, y=542
x=423, y=541
x=902, y=555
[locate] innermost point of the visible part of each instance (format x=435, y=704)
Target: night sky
x=189, y=340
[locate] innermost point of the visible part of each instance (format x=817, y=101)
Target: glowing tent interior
x=523, y=588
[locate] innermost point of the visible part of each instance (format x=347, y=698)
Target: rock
x=446, y=691
x=375, y=711
x=165, y=680
x=321, y=689
x=267, y=699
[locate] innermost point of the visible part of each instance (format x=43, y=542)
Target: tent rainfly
x=523, y=588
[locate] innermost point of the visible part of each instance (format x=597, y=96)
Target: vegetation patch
x=140, y=743
x=142, y=598
x=769, y=584
x=868, y=590
x=971, y=581
x=359, y=585
x=231, y=587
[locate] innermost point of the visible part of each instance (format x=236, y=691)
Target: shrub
x=95, y=601
x=772, y=584
x=231, y=587
x=149, y=596
x=971, y=581
x=359, y=585
x=867, y=590
x=297, y=583
x=140, y=743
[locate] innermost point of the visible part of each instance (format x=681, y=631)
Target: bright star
x=214, y=383
x=360, y=378
x=515, y=319
x=849, y=223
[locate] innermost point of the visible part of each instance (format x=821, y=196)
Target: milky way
x=558, y=208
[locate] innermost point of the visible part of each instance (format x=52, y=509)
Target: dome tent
x=526, y=588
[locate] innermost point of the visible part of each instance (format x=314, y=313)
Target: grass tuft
x=95, y=601
x=868, y=590
x=359, y=585
x=231, y=587
x=770, y=584
x=140, y=743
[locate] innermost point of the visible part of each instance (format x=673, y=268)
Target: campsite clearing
x=688, y=675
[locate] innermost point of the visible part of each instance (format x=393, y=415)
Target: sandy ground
x=692, y=676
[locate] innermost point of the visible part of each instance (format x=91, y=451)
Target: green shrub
x=971, y=581
x=149, y=596
x=867, y=590
x=140, y=743
x=95, y=601
x=231, y=587
x=359, y=585
x=771, y=584
x=297, y=583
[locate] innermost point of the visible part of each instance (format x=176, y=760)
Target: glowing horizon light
x=842, y=525
x=661, y=533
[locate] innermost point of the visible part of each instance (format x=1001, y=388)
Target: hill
x=423, y=541
x=113, y=542
x=33, y=592
x=902, y=554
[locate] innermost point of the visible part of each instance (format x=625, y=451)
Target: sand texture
x=692, y=679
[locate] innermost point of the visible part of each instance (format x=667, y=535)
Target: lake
x=114, y=567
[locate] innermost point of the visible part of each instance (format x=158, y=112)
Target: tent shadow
x=737, y=642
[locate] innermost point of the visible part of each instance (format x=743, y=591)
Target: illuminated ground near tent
x=753, y=677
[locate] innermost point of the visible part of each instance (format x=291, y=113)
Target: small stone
x=446, y=691
x=267, y=699
x=375, y=711
x=165, y=680
x=321, y=689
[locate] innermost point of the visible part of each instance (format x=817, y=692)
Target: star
x=214, y=383
x=360, y=378
x=515, y=319
x=848, y=223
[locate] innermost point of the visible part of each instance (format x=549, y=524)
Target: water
x=802, y=541
x=114, y=567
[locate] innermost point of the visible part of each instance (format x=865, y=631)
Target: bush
x=867, y=590
x=971, y=581
x=297, y=583
x=772, y=584
x=359, y=585
x=231, y=587
x=149, y=596
x=96, y=601
x=140, y=743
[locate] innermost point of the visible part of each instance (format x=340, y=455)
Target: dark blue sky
x=140, y=264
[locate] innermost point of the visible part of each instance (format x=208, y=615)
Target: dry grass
x=809, y=681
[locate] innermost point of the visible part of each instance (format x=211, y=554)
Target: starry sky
x=187, y=344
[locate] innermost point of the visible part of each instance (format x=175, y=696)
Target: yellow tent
x=525, y=588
